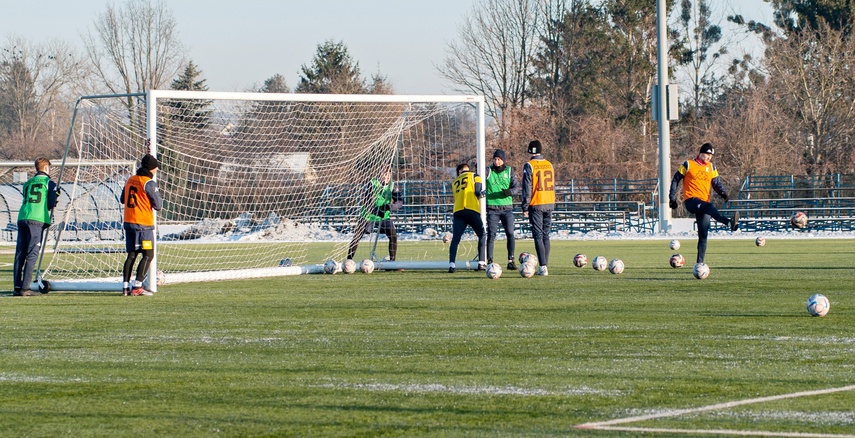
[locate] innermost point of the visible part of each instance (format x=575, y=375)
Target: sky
x=239, y=44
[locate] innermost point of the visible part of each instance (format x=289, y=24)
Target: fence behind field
x=767, y=202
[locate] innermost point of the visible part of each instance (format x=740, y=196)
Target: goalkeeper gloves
x=725, y=197
x=673, y=203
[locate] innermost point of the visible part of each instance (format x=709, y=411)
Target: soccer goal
x=256, y=184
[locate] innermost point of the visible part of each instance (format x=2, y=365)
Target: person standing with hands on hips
x=538, y=201
x=40, y=196
x=502, y=184
x=699, y=176
x=468, y=191
x=140, y=198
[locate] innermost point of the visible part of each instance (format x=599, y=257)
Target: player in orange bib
x=140, y=198
x=699, y=176
x=538, y=201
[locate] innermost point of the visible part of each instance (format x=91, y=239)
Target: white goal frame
x=151, y=100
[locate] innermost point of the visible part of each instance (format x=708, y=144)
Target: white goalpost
x=255, y=184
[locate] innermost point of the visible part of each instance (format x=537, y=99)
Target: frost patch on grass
x=24, y=378
x=824, y=340
x=422, y=388
x=823, y=418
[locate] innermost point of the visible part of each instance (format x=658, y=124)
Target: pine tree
x=275, y=84
x=195, y=113
x=332, y=71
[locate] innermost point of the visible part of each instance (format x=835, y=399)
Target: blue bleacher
x=766, y=202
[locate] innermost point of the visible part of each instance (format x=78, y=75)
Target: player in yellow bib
x=699, y=177
x=468, y=191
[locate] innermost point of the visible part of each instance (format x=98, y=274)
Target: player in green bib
x=40, y=195
x=379, y=199
x=502, y=184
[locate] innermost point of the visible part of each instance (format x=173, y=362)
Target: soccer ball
x=330, y=266
x=286, y=262
x=599, y=263
x=818, y=305
x=446, y=237
x=701, y=271
x=580, y=261
x=494, y=271
x=528, y=257
x=160, y=278
x=799, y=219
x=674, y=245
x=367, y=266
x=677, y=261
x=527, y=270
x=616, y=266
x=348, y=267
x=760, y=241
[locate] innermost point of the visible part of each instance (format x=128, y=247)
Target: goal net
x=258, y=184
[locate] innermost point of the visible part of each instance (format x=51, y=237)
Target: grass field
x=430, y=353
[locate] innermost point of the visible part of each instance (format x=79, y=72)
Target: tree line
x=129, y=48
x=576, y=74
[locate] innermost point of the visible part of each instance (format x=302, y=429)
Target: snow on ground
x=291, y=232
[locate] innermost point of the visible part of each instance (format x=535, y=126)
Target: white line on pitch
x=714, y=407
x=724, y=432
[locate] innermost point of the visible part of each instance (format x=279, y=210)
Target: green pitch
x=432, y=353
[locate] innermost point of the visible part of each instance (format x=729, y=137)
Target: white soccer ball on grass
x=580, y=261
x=367, y=266
x=526, y=257
x=527, y=269
x=616, y=266
x=330, y=267
x=760, y=241
x=818, y=305
x=701, y=271
x=674, y=245
x=677, y=261
x=494, y=271
x=348, y=267
x=599, y=263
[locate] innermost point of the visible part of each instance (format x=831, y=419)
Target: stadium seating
x=583, y=205
x=767, y=202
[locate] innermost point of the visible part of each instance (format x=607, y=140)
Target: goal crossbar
x=257, y=183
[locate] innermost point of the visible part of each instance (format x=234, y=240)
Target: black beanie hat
x=535, y=147
x=149, y=162
x=499, y=154
x=707, y=149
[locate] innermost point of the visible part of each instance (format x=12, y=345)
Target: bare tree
x=492, y=57
x=699, y=42
x=811, y=78
x=34, y=81
x=135, y=48
x=747, y=130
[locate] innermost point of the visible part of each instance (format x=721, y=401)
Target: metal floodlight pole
x=662, y=116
